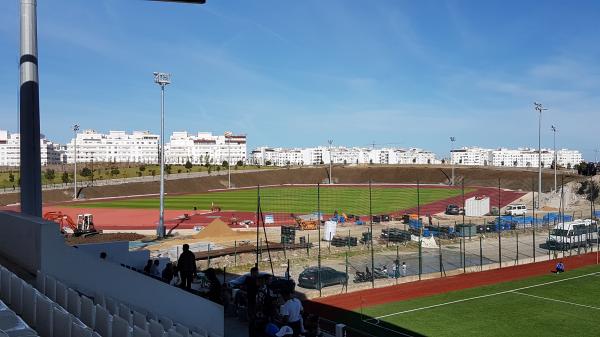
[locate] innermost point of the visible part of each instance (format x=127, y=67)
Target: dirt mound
x=218, y=229
x=99, y=238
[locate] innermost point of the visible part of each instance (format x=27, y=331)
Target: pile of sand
x=219, y=229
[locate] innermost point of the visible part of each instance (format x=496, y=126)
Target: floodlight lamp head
x=162, y=79
x=452, y=139
x=75, y=128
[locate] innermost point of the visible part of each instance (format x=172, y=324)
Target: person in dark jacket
x=167, y=273
x=214, y=291
x=186, y=264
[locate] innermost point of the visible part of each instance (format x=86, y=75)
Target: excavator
x=83, y=227
x=305, y=224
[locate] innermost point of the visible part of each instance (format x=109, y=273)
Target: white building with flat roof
x=339, y=155
x=10, y=150
x=204, y=147
x=114, y=147
x=522, y=157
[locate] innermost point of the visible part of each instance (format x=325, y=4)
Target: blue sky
x=296, y=73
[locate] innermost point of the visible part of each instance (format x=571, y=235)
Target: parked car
x=309, y=278
x=452, y=209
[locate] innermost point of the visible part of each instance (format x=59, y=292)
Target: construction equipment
x=306, y=224
x=83, y=227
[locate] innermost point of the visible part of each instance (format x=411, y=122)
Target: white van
x=516, y=210
x=577, y=233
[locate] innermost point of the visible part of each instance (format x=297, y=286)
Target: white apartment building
x=339, y=155
x=114, y=147
x=522, y=157
x=204, y=147
x=10, y=150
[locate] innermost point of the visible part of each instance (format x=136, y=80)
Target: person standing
x=167, y=273
x=404, y=269
x=251, y=288
x=291, y=312
x=186, y=264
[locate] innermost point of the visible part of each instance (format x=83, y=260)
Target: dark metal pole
x=371, y=225
x=420, y=227
x=257, y=220
x=499, y=228
x=29, y=113
x=533, y=218
x=481, y=252
x=319, y=239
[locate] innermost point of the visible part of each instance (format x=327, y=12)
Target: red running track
x=405, y=291
x=146, y=219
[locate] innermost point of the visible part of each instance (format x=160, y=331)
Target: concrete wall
x=36, y=244
x=117, y=252
x=20, y=240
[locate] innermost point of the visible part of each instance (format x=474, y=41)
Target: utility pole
x=228, y=141
x=555, y=156
x=75, y=129
x=452, y=140
x=29, y=113
x=162, y=79
x=539, y=108
x=330, y=162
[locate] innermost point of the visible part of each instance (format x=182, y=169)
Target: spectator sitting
x=291, y=312
x=560, y=267
x=176, y=279
x=167, y=273
x=148, y=267
x=155, y=269
x=214, y=291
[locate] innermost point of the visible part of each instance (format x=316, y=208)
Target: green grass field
x=353, y=200
x=552, y=305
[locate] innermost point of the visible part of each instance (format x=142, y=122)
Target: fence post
x=533, y=231
x=464, y=255
x=440, y=256
x=208, y=251
x=460, y=243
x=481, y=252
x=499, y=246
x=235, y=253
x=517, y=260
x=420, y=258
x=307, y=244
x=397, y=264
x=346, y=272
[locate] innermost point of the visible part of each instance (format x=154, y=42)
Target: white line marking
x=388, y=329
x=484, y=296
x=555, y=300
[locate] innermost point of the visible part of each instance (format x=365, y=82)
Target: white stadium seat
x=102, y=322
x=120, y=327
x=5, y=285
x=140, y=321
x=61, y=294
x=156, y=329
x=16, y=294
x=80, y=331
x=88, y=313
x=166, y=322
x=43, y=315
x=50, y=288
x=137, y=332
x=61, y=323
x=29, y=304
x=73, y=303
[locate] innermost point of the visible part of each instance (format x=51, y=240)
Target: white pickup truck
x=577, y=233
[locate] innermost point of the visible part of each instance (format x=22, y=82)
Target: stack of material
x=288, y=234
x=344, y=241
x=395, y=235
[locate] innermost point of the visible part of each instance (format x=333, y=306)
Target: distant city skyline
x=402, y=73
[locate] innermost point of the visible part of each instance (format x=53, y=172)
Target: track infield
x=548, y=305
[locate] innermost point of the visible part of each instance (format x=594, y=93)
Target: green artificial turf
x=351, y=200
x=507, y=314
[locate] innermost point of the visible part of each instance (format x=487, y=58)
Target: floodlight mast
x=452, y=140
x=539, y=108
x=162, y=79
x=553, y=128
x=75, y=129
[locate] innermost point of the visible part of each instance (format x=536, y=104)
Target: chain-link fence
x=337, y=238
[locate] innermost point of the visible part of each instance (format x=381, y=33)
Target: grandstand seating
x=56, y=310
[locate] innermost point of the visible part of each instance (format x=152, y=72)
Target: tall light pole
x=75, y=129
x=29, y=113
x=228, y=142
x=555, y=156
x=330, y=162
x=539, y=108
x=162, y=79
x=452, y=140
